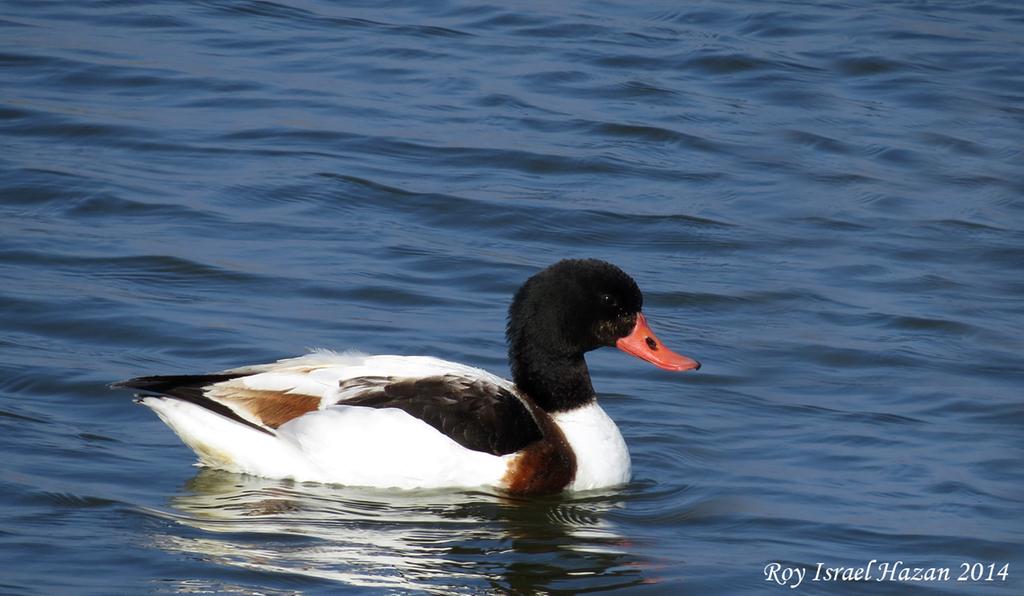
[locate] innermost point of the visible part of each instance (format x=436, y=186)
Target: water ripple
x=822, y=204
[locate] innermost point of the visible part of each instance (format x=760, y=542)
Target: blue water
x=824, y=203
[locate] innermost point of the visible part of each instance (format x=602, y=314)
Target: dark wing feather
x=183, y=386
x=190, y=388
x=476, y=414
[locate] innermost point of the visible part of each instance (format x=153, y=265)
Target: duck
x=419, y=422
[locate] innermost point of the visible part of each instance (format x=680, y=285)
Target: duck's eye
x=608, y=300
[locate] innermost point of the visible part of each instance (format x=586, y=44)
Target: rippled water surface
x=824, y=203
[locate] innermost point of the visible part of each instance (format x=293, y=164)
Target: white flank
x=340, y=445
x=222, y=443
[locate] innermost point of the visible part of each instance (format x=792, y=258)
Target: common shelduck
x=421, y=422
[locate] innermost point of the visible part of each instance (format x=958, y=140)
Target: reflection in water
x=424, y=540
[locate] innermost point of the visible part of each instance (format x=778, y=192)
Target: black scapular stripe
x=475, y=414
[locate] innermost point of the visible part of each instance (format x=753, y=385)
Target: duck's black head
x=571, y=308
